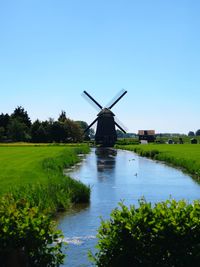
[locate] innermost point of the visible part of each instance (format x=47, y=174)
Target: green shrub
x=28, y=238
x=167, y=234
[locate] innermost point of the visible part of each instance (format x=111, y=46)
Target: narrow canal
x=115, y=175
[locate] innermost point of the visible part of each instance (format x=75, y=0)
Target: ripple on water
x=78, y=240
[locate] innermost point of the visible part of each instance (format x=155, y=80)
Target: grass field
x=20, y=165
x=186, y=156
x=35, y=172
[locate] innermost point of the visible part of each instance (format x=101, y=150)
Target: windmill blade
x=116, y=98
x=120, y=125
x=90, y=125
x=91, y=100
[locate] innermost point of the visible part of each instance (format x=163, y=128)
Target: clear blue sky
x=52, y=50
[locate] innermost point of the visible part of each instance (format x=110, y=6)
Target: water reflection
x=105, y=158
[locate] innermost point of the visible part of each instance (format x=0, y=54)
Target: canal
x=116, y=175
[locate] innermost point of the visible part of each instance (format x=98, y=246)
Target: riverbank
x=35, y=173
x=32, y=189
x=185, y=156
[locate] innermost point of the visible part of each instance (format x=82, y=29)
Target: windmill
x=105, y=133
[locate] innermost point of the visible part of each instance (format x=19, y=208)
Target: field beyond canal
x=186, y=156
x=35, y=172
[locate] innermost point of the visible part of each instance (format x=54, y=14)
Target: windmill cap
x=106, y=111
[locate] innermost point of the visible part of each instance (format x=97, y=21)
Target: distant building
x=148, y=135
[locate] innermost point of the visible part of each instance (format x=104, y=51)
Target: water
x=116, y=175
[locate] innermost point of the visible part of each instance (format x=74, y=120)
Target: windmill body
x=106, y=135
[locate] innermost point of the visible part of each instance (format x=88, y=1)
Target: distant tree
x=83, y=125
x=2, y=133
x=17, y=131
x=38, y=132
x=180, y=140
x=47, y=125
x=41, y=135
x=191, y=133
x=36, y=124
x=92, y=133
x=18, y=127
x=57, y=132
x=73, y=131
x=22, y=116
x=4, y=120
x=120, y=134
x=62, y=117
x=198, y=132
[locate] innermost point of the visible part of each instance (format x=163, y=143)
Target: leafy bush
x=28, y=238
x=167, y=234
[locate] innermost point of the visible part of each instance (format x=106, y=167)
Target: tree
x=120, y=134
x=2, y=133
x=18, y=131
x=62, y=117
x=198, y=132
x=191, y=133
x=41, y=135
x=22, y=116
x=18, y=127
x=83, y=125
x=38, y=132
x=90, y=133
x=73, y=131
x=4, y=120
x=57, y=132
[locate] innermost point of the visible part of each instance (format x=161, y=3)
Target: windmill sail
x=105, y=133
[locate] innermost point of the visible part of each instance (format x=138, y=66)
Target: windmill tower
x=105, y=133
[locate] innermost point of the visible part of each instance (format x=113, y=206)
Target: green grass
x=26, y=164
x=186, y=156
x=35, y=172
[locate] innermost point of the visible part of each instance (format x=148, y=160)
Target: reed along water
x=114, y=176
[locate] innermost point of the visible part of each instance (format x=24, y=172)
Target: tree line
x=17, y=127
x=197, y=133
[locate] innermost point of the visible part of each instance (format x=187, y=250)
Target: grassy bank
x=32, y=189
x=35, y=173
x=186, y=156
